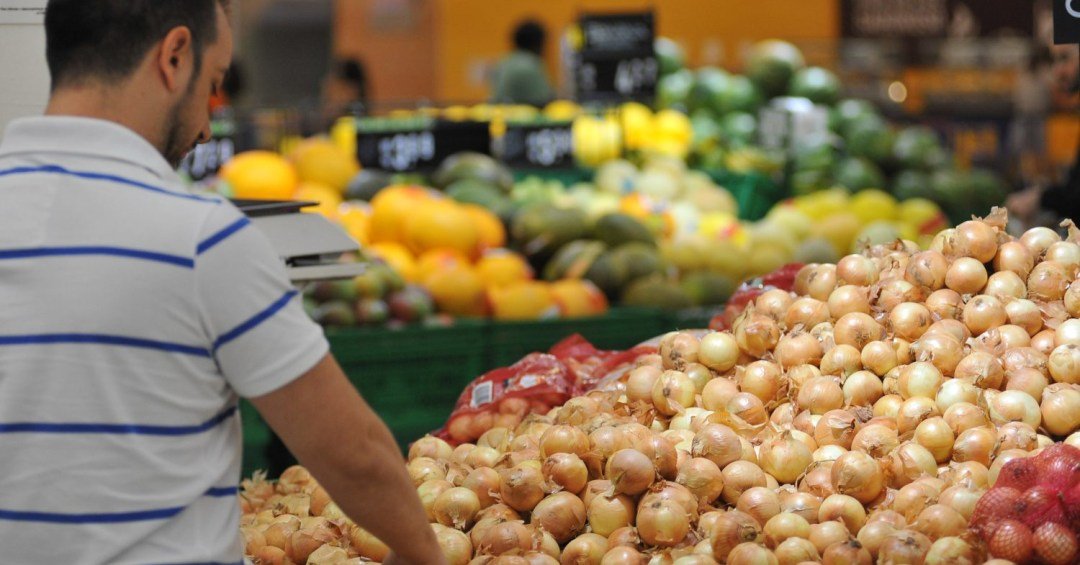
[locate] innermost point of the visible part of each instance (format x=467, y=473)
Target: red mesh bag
x=782, y=278
x=1043, y=494
x=504, y=396
x=590, y=366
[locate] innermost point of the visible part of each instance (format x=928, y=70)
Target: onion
x=798, y=349
x=821, y=282
x=937, y=437
x=818, y=480
x=522, y=487
x=1004, y=285
x=850, y=551
x=718, y=351
x=622, y=554
x=717, y=443
x=586, y=548
x=1012, y=336
x=774, y=303
x=484, y=481
x=1067, y=333
x=726, y=530
x=511, y=537
x=820, y=394
x=684, y=421
x=562, y=515
x=801, y=503
x=951, y=328
x=942, y=350
x=1064, y=364
x=856, y=269
x=927, y=269
x=1072, y=300
x=678, y=349
x=982, y=313
x=563, y=439
x=858, y=475
x=1025, y=358
x=1017, y=435
x=703, y=478
x=981, y=369
x=945, y=304
x=1065, y=252
x=751, y=554
x=717, y=393
x=862, y=388
x=639, y=383
x=673, y=392
x=630, y=472
x=1048, y=281
x=904, y=546
x=665, y=458
x=1011, y=540
x=537, y=558
x=1026, y=314
x=966, y=276
x=1014, y=406
x=807, y=312
x=913, y=498
x=564, y=471
x=873, y=534
x=756, y=334
x=919, y=379
x=456, y=507
x=897, y=291
x=955, y=390
x=910, y=462
x=662, y=523
x=740, y=476
x=843, y=508
x=747, y=408
x=891, y=517
x=1014, y=257
x=455, y=545
x=627, y=536
x=500, y=511
x=961, y=498
x=784, y=526
x=910, y=320
x=430, y=446
x=1003, y=457
x=841, y=360
x=793, y=551
x=848, y=299
x=876, y=440
x=1060, y=409
x=1044, y=341
x=942, y=237
x=913, y=411
x=1055, y=543
x=760, y=503
x=963, y=416
x=829, y=453
x=825, y=533
x=836, y=427
x=975, y=444
x=762, y=379
x=975, y=239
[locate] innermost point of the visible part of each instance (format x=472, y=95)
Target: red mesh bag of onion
x=1032, y=513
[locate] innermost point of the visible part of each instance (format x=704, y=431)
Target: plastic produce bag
x=782, y=278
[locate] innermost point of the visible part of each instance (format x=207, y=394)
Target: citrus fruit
x=528, y=300
x=391, y=207
x=442, y=223
x=327, y=198
x=502, y=267
x=872, y=205
x=260, y=175
x=399, y=258
x=457, y=290
x=322, y=161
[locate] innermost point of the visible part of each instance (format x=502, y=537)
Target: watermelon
x=772, y=64
x=912, y=183
x=848, y=111
x=857, y=173
x=708, y=81
x=672, y=58
x=739, y=128
x=872, y=139
x=952, y=190
x=673, y=90
x=915, y=147
x=740, y=95
x=819, y=85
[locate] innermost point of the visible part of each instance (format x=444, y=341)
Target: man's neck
x=101, y=103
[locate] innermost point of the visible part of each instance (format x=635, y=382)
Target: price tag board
x=420, y=149
x=538, y=146
x=207, y=158
x=617, y=60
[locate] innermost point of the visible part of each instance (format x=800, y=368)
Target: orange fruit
x=260, y=175
x=391, y=207
x=501, y=267
x=434, y=260
x=492, y=231
x=578, y=298
x=441, y=223
x=321, y=160
x=458, y=291
x=527, y=300
x=399, y=258
x=327, y=198
x=356, y=221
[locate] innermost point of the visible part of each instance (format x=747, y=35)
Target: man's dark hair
x=107, y=39
x=529, y=36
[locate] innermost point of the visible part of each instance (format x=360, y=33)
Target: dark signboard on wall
x=940, y=19
x=616, y=60
x=1066, y=21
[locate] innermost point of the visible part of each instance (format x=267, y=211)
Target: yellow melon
x=442, y=223
x=491, y=230
x=458, y=291
x=578, y=298
x=321, y=160
x=391, y=207
x=434, y=260
x=529, y=300
x=502, y=267
x=399, y=258
x=260, y=175
x=327, y=198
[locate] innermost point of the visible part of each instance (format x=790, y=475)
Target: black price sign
x=207, y=158
x=617, y=60
x=1066, y=21
x=421, y=149
x=549, y=146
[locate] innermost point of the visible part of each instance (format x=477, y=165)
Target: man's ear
x=176, y=59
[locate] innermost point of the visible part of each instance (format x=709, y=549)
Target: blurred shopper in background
x=1063, y=200
x=520, y=77
x=1032, y=102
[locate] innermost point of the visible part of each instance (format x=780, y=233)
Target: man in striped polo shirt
x=134, y=314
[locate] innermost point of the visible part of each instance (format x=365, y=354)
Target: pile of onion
x=859, y=419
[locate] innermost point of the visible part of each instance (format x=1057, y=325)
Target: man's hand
x=323, y=420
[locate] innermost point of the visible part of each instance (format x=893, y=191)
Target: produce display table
x=412, y=376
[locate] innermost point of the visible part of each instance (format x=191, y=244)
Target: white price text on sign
x=546, y=147
x=633, y=74
x=401, y=152
x=22, y=11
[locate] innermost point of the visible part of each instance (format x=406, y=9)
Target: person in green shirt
x=520, y=77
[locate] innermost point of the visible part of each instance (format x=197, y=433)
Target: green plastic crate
x=620, y=328
x=755, y=193
x=412, y=377
x=257, y=436
x=692, y=318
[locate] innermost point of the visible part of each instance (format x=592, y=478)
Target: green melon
x=640, y=259
x=608, y=274
x=673, y=90
x=539, y=231
x=857, y=173
x=915, y=147
x=477, y=166
x=707, y=82
x=819, y=85
x=574, y=259
x=707, y=289
x=671, y=57
x=739, y=95
x=772, y=64
x=739, y=128
x=655, y=292
x=616, y=229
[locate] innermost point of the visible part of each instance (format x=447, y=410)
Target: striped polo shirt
x=133, y=315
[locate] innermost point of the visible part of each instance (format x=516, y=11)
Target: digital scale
x=310, y=245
